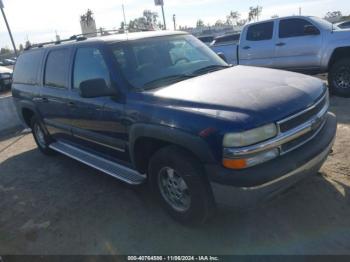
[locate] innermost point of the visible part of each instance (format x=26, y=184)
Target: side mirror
x=96, y=88
x=222, y=56
x=311, y=30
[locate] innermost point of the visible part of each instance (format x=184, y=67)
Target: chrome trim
x=325, y=96
x=101, y=144
x=308, y=166
x=284, y=137
x=123, y=168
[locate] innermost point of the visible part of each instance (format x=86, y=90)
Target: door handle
x=281, y=44
x=246, y=47
x=71, y=104
x=40, y=99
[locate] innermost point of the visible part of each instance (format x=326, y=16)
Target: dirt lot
x=58, y=206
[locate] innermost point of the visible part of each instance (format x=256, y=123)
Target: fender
x=26, y=104
x=192, y=143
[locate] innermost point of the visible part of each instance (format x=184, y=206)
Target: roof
x=110, y=38
x=279, y=18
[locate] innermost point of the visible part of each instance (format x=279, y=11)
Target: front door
x=295, y=48
x=94, y=125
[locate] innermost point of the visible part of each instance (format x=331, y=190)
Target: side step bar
x=113, y=169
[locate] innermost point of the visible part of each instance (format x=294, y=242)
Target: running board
x=113, y=169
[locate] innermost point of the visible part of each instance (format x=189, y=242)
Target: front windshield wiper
x=166, y=80
x=210, y=68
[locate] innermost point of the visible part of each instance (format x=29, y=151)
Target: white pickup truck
x=298, y=43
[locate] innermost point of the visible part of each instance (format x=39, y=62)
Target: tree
x=219, y=23
x=200, y=23
x=333, y=14
x=242, y=22
x=21, y=48
x=88, y=17
x=151, y=17
x=254, y=13
x=148, y=21
x=233, y=17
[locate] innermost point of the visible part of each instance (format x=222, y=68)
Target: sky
x=38, y=20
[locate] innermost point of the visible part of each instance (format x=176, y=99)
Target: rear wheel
x=178, y=182
x=339, y=78
x=41, y=138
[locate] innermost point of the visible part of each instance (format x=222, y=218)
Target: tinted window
x=227, y=39
x=27, y=68
x=206, y=39
x=259, y=32
x=56, y=70
x=89, y=64
x=292, y=27
x=344, y=25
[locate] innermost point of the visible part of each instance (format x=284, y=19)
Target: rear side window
x=27, y=68
x=260, y=32
x=293, y=27
x=57, y=67
x=89, y=64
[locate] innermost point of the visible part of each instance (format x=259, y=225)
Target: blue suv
x=162, y=108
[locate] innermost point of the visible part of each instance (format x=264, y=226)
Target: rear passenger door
x=53, y=101
x=296, y=49
x=257, y=47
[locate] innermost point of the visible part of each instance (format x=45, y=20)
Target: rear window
x=57, y=68
x=227, y=39
x=260, y=32
x=27, y=68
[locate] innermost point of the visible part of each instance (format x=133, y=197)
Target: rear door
x=295, y=49
x=257, y=47
x=53, y=100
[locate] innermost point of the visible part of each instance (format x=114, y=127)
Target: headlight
x=250, y=137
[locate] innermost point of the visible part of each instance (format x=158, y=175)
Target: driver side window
x=89, y=64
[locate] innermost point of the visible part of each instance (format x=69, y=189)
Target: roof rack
x=79, y=37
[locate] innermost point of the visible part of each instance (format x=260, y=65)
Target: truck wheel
x=177, y=180
x=339, y=78
x=41, y=138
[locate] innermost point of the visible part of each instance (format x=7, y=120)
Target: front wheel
x=178, y=182
x=339, y=78
x=41, y=138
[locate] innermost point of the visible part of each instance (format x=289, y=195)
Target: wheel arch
x=146, y=139
x=339, y=53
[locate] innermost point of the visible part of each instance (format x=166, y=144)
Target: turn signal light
x=235, y=163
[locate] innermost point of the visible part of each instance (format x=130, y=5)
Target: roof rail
x=79, y=37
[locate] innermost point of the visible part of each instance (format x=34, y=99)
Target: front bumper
x=250, y=186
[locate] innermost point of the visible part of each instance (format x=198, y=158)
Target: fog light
x=243, y=163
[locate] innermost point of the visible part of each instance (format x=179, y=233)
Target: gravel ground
x=54, y=205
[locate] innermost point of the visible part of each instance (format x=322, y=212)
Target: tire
x=41, y=137
x=339, y=78
x=194, y=202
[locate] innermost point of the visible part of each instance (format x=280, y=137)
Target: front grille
x=316, y=114
x=303, y=117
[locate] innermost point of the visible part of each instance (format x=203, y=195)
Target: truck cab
x=303, y=44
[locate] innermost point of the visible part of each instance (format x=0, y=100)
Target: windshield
x=324, y=23
x=154, y=62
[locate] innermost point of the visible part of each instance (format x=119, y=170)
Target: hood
x=5, y=70
x=341, y=34
x=249, y=94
